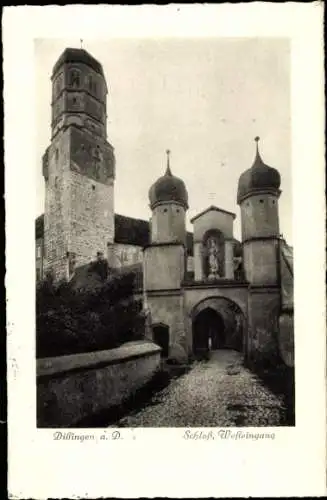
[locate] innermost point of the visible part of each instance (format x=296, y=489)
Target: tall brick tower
x=78, y=166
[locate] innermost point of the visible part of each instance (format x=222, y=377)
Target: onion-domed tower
x=258, y=193
x=78, y=166
x=168, y=202
x=165, y=259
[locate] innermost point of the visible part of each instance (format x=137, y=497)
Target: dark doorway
x=161, y=337
x=208, y=331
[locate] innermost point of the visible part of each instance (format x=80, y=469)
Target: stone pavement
x=219, y=392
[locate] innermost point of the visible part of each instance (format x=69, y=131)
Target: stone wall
x=125, y=255
x=168, y=309
x=56, y=215
x=91, y=218
x=260, y=261
x=264, y=307
x=286, y=338
x=72, y=388
x=213, y=219
x=39, y=251
x=164, y=266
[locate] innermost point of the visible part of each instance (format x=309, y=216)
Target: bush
x=72, y=321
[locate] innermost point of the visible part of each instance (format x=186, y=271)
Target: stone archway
x=224, y=319
x=208, y=331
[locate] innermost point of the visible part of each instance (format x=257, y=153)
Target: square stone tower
x=78, y=167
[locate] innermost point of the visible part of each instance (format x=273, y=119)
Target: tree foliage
x=70, y=321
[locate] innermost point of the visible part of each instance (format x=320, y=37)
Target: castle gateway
x=202, y=290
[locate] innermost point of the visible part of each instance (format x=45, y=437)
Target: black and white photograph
x=165, y=250
x=164, y=257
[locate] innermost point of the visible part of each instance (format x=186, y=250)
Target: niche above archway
x=213, y=254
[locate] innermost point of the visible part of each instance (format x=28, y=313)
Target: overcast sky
x=204, y=99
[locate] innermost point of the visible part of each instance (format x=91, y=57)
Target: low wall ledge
x=60, y=365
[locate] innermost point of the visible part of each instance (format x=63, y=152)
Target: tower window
x=165, y=210
x=93, y=187
x=92, y=85
x=75, y=80
x=273, y=202
x=177, y=211
x=261, y=201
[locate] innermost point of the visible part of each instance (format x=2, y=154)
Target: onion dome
x=260, y=177
x=78, y=56
x=168, y=188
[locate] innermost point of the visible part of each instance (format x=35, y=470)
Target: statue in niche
x=213, y=258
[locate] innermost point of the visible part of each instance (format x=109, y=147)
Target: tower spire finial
x=168, y=171
x=257, y=139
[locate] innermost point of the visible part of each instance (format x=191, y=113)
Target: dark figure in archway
x=208, y=331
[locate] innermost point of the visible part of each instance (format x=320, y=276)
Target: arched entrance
x=208, y=331
x=161, y=337
x=218, y=323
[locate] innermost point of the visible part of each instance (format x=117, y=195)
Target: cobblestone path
x=219, y=392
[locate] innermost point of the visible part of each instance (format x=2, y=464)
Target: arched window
x=92, y=84
x=214, y=254
x=58, y=85
x=74, y=78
